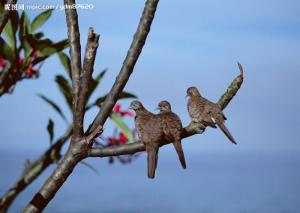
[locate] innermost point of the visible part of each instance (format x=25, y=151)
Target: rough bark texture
x=80, y=143
x=86, y=74
x=75, y=53
x=52, y=155
x=128, y=64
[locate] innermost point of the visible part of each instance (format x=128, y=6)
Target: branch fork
x=81, y=144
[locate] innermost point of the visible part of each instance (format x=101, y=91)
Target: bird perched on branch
x=150, y=133
x=172, y=126
x=206, y=112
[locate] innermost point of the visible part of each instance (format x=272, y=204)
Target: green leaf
x=118, y=120
x=14, y=18
x=28, y=50
x=40, y=19
x=100, y=76
x=94, y=83
x=9, y=34
x=36, y=43
x=65, y=61
x=10, y=29
x=23, y=31
x=54, y=106
x=24, y=25
x=6, y=52
x=123, y=95
x=50, y=129
x=65, y=89
x=50, y=50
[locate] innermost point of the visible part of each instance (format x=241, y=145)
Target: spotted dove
x=206, y=112
x=150, y=133
x=172, y=127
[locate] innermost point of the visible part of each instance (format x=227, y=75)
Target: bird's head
x=136, y=105
x=192, y=91
x=164, y=106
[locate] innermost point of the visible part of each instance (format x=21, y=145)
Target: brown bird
x=172, y=127
x=150, y=133
x=206, y=112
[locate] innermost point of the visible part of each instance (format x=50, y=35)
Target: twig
x=75, y=53
x=232, y=89
x=128, y=64
x=86, y=74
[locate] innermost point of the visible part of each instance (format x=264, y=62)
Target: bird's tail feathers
x=180, y=153
x=152, y=156
x=223, y=128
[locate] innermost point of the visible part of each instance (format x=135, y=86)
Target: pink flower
x=122, y=138
x=111, y=141
x=35, y=54
x=30, y=72
x=2, y=63
x=117, y=109
x=21, y=62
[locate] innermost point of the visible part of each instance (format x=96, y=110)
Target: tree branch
x=50, y=156
x=5, y=15
x=128, y=64
x=79, y=147
x=190, y=130
x=232, y=89
x=75, y=53
x=86, y=75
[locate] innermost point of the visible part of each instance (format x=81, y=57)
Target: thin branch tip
x=241, y=69
x=97, y=132
x=92, y=35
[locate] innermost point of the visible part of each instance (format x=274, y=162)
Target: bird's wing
x=195, y=109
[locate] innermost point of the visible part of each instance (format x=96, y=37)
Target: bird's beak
x=157, y=108
x=187, y=95
x=130, y=107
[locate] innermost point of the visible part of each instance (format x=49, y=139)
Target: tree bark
x=80, y=144
x=52, y=155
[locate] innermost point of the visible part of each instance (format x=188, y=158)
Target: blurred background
x=191, y=43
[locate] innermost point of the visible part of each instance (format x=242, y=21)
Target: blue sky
x=191, y=43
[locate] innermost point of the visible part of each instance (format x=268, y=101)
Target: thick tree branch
x=5, y=15
x=50, y=156
x=86, y=74
x=75, y=56
x=191, y=129
x=128, y=64
x=79, y=147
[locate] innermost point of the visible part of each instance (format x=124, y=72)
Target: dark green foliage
x=22, y=47
x=50, y=129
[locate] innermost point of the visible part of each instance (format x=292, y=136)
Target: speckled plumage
x=150, y=133
x=172, y=127
x=206, y=112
